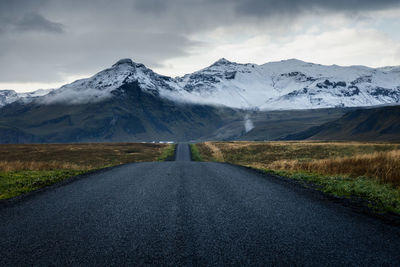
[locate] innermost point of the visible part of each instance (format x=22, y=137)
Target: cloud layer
x=46, y=41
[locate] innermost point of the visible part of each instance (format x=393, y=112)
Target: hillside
x=272, y=125
x=131, y=115
x=374, y=124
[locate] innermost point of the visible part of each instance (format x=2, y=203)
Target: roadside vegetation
x=25, y=168
x=370, y=171
x=168, y=153
x=195, y=153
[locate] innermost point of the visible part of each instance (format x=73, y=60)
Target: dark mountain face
x=130, y=115
x=377, y=124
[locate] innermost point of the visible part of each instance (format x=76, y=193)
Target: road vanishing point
x=185, y=213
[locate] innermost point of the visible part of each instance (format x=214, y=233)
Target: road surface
x=189, y=213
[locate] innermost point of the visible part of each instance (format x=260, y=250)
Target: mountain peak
x=124, y=61
x=223, y=61
x=293, y=60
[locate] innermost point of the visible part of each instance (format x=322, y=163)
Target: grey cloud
x=99, y=32
x=264, y=7
x=23, y=15
x=36, y=22
x=15, y=7
x=84, y=53
x=192, y=16
x=153, y=6
x=290, y=7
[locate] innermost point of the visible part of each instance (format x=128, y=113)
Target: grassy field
x=24, y=168
x=366, y=170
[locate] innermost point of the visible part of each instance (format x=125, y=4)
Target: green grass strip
x=381, y=197
x=167, y=153
x=195, y=153
x=15, y=183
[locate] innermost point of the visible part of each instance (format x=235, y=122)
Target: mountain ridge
x=133, y=115
x=279, y=85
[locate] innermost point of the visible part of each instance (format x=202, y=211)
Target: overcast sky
x=47, y=43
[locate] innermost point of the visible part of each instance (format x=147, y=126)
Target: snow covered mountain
x=288, y=84
x=107, y=82
x=7, y=97
x=10, y=96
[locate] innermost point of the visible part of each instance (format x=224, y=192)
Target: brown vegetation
x=383, y=166
x=38, y=157
x=24, y=168
x=380, y=161
x=215, y=151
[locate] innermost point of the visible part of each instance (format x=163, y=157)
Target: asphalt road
x=189, y=213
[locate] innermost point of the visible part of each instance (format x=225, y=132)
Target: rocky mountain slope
x=283, y=85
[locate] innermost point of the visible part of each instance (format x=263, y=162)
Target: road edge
x=4, y=203
x=357, y=205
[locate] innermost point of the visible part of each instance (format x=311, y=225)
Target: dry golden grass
x=205, y=152
x=41, y=166
x=39, y=157
x=380, y=161
x=215, y=151
x=383, y=166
